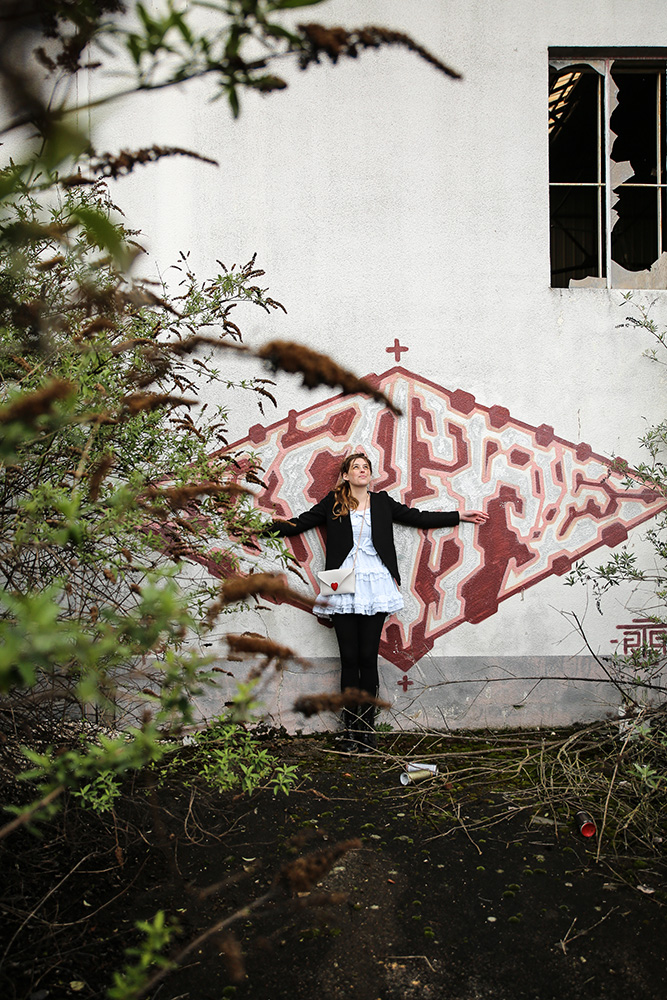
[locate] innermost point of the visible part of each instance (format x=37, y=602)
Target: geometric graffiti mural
x=550, y=502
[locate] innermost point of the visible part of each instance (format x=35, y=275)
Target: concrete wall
x=387, y=202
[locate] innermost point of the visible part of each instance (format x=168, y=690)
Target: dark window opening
x=607, y=209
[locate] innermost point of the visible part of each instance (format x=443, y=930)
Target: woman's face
x=359, y=473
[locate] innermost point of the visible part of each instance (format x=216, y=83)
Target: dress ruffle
x=375, y=588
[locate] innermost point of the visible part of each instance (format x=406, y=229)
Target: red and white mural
x=550, y=502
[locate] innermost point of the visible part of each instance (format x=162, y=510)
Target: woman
x=360, y=533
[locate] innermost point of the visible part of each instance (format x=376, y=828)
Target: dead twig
x=564, y=940
x=28, y=813
x=41, y=904
x=568, y=940
x=465, y=829
x=606, y=803
x=405, y=958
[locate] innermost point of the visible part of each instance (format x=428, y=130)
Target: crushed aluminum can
x=433, y=768
x=407, y=777
x=417, y=772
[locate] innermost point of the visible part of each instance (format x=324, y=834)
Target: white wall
x=385, y=201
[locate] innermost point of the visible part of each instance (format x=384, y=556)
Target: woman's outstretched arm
x=313, y=518
x=417, y=518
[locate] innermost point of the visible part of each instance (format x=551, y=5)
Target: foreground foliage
x=111, y=476
x=112, y=480
x=121, y=507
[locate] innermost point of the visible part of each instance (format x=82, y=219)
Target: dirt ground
x=439, y=900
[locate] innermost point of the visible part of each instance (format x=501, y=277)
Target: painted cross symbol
x=404, y=682
x=397, y=349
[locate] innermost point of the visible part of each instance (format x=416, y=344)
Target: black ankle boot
x=367, y=729
x=350, y=741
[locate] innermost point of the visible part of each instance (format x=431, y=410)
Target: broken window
x=607, y=182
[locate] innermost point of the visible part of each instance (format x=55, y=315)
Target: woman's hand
x=476, y=516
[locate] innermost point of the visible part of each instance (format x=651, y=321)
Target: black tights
x=359, y=641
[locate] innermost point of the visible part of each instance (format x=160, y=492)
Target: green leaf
x=286, y=4
x=147, y=20
x=9, y=181
x=277, y=31
x=180, y=24
x=101, y=231
x=234, y=101
x=135, y=48
x=233, y=42
x=63, y=143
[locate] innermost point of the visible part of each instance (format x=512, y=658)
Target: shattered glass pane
x=634, y=238
x=573, y=125
x=575, y=212
x=576, y=174
x=634, y=123
x=608, y=183
x=638, y=165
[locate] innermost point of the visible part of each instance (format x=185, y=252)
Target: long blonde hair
x=345, y=500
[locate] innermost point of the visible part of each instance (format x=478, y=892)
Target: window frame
x=656, y=60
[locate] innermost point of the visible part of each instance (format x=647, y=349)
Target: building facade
x=469, y=245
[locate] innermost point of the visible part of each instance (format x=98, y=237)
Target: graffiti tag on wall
x=550, y=502
x=642, y=634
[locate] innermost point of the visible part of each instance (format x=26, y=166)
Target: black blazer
x=384, y=511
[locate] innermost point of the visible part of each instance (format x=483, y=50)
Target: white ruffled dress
x=375, y=588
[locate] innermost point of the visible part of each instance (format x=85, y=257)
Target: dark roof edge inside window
x=638, y=52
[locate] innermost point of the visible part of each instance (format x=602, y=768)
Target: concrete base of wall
x=458, y=692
